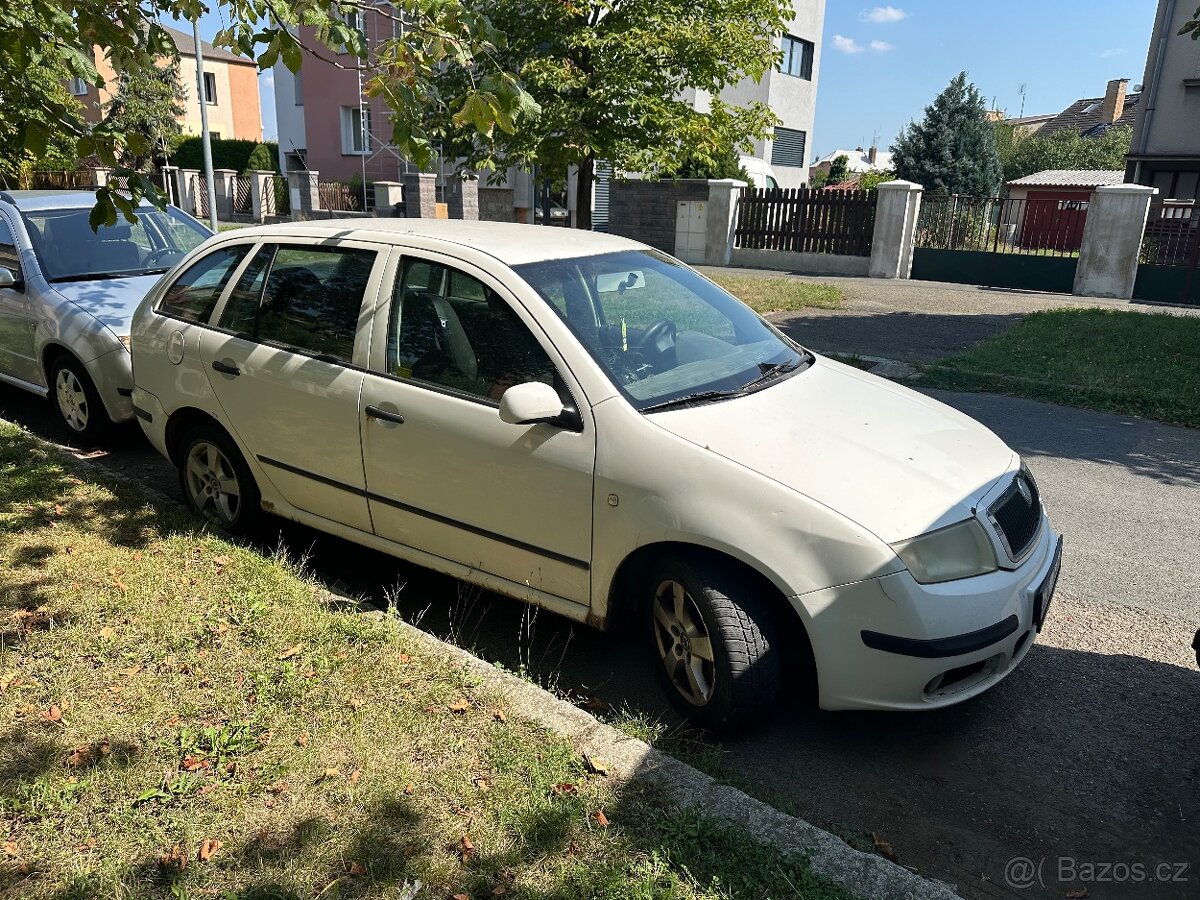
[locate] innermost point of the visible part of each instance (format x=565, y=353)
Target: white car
x=589, y=425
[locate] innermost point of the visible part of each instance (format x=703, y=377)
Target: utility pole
x=205, y=140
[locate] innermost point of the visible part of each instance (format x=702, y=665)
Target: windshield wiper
x=770, y=373
x=94, y=276
x=692, y=399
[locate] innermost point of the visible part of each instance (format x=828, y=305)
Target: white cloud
x=846, y=45
x=882, y=15
x=881, y=46
x=1113, y=51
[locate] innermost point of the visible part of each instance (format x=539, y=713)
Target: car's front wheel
x=216, y=481
x=73, y=394
x=714, y=641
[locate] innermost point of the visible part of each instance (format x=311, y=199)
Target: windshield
x=68, y=250
x=665, y=336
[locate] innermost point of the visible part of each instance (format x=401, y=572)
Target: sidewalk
x=921, y=321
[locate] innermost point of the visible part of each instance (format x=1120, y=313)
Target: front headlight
x=956, y=551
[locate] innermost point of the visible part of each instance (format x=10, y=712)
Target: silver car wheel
x=212, y=483
x=72, y=400
x=684, y=645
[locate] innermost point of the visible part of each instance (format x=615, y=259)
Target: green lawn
x=182, y=717
x=769, y=295
x=1112, y=360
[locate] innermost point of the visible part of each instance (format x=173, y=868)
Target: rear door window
x=9, y=258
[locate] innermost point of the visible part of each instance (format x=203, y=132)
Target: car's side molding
x=958, y=645
x=426, y=514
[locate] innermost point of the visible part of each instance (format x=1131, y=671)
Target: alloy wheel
x=212, y=483
x=684, y=645
x=72, y=400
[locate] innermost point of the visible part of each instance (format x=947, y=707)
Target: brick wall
x=496, y=205
x=645, y=210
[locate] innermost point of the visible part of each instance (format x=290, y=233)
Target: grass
x=1112, y=360
x=771, y=295
x=182, y=717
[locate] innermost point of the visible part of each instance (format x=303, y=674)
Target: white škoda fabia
x=586, y=424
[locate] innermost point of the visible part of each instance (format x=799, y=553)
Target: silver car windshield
x=68, y=250
x=664, y=335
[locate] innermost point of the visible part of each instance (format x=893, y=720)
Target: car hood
x=111, y=300
x=894, y=461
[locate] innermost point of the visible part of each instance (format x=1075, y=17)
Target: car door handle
x=374, y=412
x=226, y=368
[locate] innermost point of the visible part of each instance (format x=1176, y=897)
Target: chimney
x=1113, y=106
x=873, y=154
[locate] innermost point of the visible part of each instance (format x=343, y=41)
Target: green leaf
x=36, y=136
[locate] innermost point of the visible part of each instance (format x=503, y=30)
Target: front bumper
x=112, y=373
x=891, y=643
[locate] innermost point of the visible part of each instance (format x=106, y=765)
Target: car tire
x=76, y=402
x=696, y=609
x=216, y=482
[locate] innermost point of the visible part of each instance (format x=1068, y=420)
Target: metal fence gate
x=198, y=189
x=1169, y=264
x=1027, y=244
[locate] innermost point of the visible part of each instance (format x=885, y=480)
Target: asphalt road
x=1083, y=762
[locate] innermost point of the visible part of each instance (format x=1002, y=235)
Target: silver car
x=67, y=295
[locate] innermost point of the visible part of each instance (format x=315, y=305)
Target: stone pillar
x=223, y=188
x=302, y=185
x=185, y=178
x=896, y=213
x=723, y=196
x=1112, y=241
x=420, y=195
x=389, y=199
x=262, y=195
x=462, y=198
x=100, y=176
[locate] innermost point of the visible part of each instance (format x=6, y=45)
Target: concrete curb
x=627, y=758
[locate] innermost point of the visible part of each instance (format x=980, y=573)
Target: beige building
x=230, y=91
x=1166, y=135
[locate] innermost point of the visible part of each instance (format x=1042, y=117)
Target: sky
x=882, y=65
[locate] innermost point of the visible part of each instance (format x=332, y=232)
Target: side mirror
x=9, y=278
x=530, y=403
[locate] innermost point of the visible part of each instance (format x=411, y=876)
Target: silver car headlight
x=956, y=551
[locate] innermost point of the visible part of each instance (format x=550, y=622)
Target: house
x=326, y=124
x=1025, y=126
x=230, y=90
x=858, y=162
x=1166, y=135
x=1092, y=116
x=1047, y=210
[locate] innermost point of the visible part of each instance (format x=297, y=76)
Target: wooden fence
x=806, y=221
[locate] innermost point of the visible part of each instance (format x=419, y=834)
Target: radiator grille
x=1017, y=515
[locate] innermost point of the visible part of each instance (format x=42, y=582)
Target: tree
x=872, y=180
x=44, y=85
x=839, y=170
x=726, y=164
x=1064, y=149
x=63, y=34
x=148, y=102
x=1192, y=26
x=609, y=76
x=953, y=149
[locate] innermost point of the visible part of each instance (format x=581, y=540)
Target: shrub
x=242, y=156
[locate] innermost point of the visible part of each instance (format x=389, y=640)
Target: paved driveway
x=1087, y=754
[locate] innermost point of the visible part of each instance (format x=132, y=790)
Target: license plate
x=1041, y=600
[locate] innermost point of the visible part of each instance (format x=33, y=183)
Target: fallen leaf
x=356, y=702
x=89, y=844
x=355, y=776
x=278, y=787
x=601, y=818
x=331, y=773
x=80, y=756
x=595, y=765
x=107, y=633
x=409, y=789
x=104, y=747
x=221, y=560
x=460, y=705
x=564, y=788
x=290, y=652
x=404, y=657
x=595, y=704
x=174, y=859
x=884, y=848
x=58, y=509
x=302, y=741
x=499, y=716
x=130, y=672
x=121, y=585
x=53, y=714
x=573, y=849
x=192, y=763
x=483, y=784
x=208, y=847
x=10, y=849
x=1077, y=893
x=461, y=897
x=357, y=869
x=10, y=680
x=467, y=848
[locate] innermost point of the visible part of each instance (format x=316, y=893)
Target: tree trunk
x=583, y=193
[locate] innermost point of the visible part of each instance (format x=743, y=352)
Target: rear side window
x=9, y=258
x=308, y=299
x=194, y=293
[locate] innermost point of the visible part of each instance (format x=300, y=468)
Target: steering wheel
x=153, y=255
x=659, y=340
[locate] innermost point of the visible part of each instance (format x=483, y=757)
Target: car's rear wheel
x=714, y=641
x=216, y=481
x=73, y=394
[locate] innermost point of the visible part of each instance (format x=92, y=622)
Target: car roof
x=31, y=200
x=508, y=242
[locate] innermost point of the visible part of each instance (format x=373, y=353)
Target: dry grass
x=182, y=717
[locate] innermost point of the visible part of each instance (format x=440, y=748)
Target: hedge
x=242, y=156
